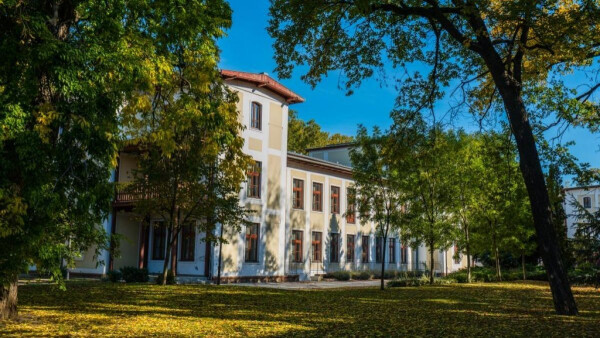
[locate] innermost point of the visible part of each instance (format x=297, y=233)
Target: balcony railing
x=127, y=196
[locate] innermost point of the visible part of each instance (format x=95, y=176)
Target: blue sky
x=248, y=47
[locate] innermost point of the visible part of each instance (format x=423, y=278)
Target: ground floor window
x=251, y=254
x=350, y=248
x=188, y=242
x=297, y=246
x=378, y=249
x=316, y=246
x=335, y=248
x=159, y=238
x=456, y=254
x=404, y=253
x=392, y=247
x=365, y=249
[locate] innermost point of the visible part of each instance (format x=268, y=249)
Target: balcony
x=126, y=196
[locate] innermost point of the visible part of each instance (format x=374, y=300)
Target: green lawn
x=501, y=309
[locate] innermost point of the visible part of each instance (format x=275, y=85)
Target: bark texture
x=8, y=300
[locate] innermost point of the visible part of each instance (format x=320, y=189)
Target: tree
x=507, y=56
x=305, y=135
x=186, y=126
x=65, y=69
x=379, y=183
x=430, y=193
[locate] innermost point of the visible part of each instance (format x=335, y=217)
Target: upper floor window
x=335, y=200
x=587, y=202
x=256, y=116
x=251, y=254
x=298, y=194
x=297, y=246
x=254, y=178
x=351, y=209
x=317, y=202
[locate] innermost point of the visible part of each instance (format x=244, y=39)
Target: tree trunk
x=8, y=299
x=468, y=251
x=431, y=262
x=383, y=262
x=220, y=260
x=523, y=265
x=530, y=166
x=167, y=257
x=496, y=255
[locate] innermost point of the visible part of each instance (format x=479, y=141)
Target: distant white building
x=588, y=197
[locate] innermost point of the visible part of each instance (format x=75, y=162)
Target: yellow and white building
x=299, y=229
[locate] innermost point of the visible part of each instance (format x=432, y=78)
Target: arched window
x=256, y=116
x=587, y=202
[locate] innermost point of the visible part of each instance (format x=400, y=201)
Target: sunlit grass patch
x=492, y=309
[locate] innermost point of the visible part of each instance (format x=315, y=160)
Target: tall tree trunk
x=8, y=299
x=564, y=302
x=468, y=250
x=167, y=257
x=523, y=265
x=220, y=259
x=431, y=262
x=496, y=255
x=383, y=262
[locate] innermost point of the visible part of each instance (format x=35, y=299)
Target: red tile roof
x=263, y=80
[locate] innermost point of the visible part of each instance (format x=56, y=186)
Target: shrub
x=340, y=275
x=170, y=278
x=363, y=275
x=404, y=282
x=114, y=275
x=387, y=275
x=134, y=275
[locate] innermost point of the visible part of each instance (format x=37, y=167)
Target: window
x=297, y=246
x=378, y=249
x=298, y=194
x=456, y=255
x=254, y=178
x=188, y=242
x=317, y=202
x=256, y=116
x=335, y=200
x=587, y=202
x=392, y=248
x=335, y=248
x=316, y=246
x=159, y=237
x=252, y=243
x=365, y=249
x=351, y=209
x=404, y=253
x=350, y=248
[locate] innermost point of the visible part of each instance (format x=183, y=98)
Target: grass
x=491, y=309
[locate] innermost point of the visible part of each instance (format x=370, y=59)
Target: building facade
x=300, y=226
x=588, y=197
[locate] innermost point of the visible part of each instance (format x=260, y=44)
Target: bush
x=134, y=275
x=363, y=275
x=404, y=282
x=170, y=278
x=387, y=275
x=340, y=275
x=114, y=275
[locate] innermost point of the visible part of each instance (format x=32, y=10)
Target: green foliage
x=362, y=275
x=114, y=275
x=515, y=309
x=170, y=278
x=304, y=135
x=339, y=275
x=131, y=274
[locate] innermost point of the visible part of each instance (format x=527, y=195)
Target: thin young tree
x=507, y=56
x=379, y=184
